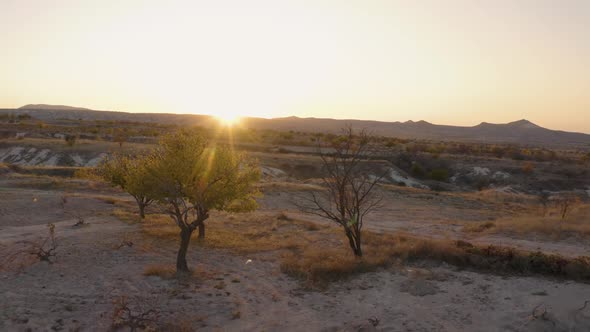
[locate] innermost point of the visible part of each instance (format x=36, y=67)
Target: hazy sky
x=448, y=62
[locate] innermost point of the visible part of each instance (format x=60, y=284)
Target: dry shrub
x=493, y=258
x=311, y=226
x=16, y=258
x=126, y=241
x=27, y=253
x=283, y=216
x=134, y=315
x=317, y=266
x=479, y=227
x=87, y=173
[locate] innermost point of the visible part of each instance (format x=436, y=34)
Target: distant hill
x=51, y=107
x=521, y=132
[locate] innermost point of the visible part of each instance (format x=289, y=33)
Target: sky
x=456, y=62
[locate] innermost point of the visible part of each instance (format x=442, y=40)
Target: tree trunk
x=141, y=210
x=358, y=250
x=141, y=205
x=202, y=230
x=355, y=243
x=185, y=238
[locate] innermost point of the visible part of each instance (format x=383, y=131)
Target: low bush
x=439, y=174
x=317, y=266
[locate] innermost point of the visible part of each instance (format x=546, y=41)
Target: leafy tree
x=120, y=136
x=349, y=194
x=70, y=139
x=130, y=175
x=190, y=179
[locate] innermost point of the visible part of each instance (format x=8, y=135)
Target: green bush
x=417, y=170
x=439, y=174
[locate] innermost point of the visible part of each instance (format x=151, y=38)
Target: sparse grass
x=109, y=200
x=126, y=216
x=318, y=266
x=81, y=146
x=279, y=186
x=320, y=256
x=45, y=182
x=241, y=233
x=576, y=224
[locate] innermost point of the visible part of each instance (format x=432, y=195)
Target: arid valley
x=467, y=236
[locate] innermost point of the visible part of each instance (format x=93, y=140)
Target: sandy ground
x=244, y=293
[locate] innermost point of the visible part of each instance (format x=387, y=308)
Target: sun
x=228, y=119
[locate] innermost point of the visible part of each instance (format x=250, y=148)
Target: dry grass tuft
x=126, y=216
x=317, y=267
x=283, y=216
x=87, y=173
x=479, y=227
x=162, y=271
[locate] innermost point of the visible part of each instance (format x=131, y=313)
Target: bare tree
x=349, y=193
x=565, y=202
x=46, y=249
x=544, y=199
x=135, y=317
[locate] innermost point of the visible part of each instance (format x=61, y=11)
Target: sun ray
x=228, y=119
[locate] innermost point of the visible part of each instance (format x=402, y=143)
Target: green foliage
x=131, y=175
x=120, y=136
x=191, y=178
x=439, y=174
x=417, y=170
x=185, y=168
x=114, y=170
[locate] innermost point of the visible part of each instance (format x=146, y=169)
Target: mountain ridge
x=523, y=132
